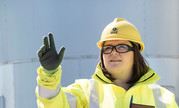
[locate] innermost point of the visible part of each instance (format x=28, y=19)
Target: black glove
x=48, y=56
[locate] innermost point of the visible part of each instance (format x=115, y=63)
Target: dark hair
x=140, y=66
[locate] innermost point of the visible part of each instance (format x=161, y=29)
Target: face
x=119, y=64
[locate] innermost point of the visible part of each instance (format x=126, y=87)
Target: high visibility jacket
x=100, y=92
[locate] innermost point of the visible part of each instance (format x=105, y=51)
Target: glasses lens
x=107, y=49
x=122, y=48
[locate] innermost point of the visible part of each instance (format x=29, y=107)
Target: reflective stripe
x=157, y=96
x=72, y=101
x=94, y=94
x=48, y=93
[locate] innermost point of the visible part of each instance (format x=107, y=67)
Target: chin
x=114, y=66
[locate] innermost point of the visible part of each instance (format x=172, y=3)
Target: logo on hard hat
x=114, y=30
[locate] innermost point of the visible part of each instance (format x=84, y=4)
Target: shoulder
x=81, y=80
x=159, y=87
x=162, y=93
x=82, y=83
x=85, y=84
x=80, y=86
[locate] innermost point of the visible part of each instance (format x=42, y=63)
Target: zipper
x=131, y=101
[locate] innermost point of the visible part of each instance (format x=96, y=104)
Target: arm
x=50, y=94
x=49, y=75
x=48, y=91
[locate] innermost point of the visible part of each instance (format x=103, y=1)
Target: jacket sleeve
x=174, y=104
x=168, y=98
x=72, y=96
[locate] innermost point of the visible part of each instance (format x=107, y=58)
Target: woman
x=122, y=78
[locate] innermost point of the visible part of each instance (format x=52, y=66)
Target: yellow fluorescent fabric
x=100, y=92
x=48, y=80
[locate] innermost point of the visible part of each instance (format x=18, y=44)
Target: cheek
x=128, y=58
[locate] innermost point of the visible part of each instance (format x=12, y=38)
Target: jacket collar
x=149, y=78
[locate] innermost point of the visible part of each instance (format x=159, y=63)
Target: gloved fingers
x=43, y=48
x=52, y=44
x=45, y=40
x=48, y=54
x=40, y=52
x=61, y=53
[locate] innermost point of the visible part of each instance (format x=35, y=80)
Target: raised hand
x=47, y=54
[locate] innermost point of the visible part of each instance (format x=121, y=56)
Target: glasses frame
x=114, y=47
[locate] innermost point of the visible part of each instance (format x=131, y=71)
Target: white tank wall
x=77, y=25
x=161, y=39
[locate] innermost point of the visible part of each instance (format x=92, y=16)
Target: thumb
x=61, y=53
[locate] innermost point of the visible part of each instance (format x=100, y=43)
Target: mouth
x=114, y=61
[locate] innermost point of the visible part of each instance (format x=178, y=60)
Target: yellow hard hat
x=121, y=29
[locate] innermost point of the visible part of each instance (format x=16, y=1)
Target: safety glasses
x=121, y=48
